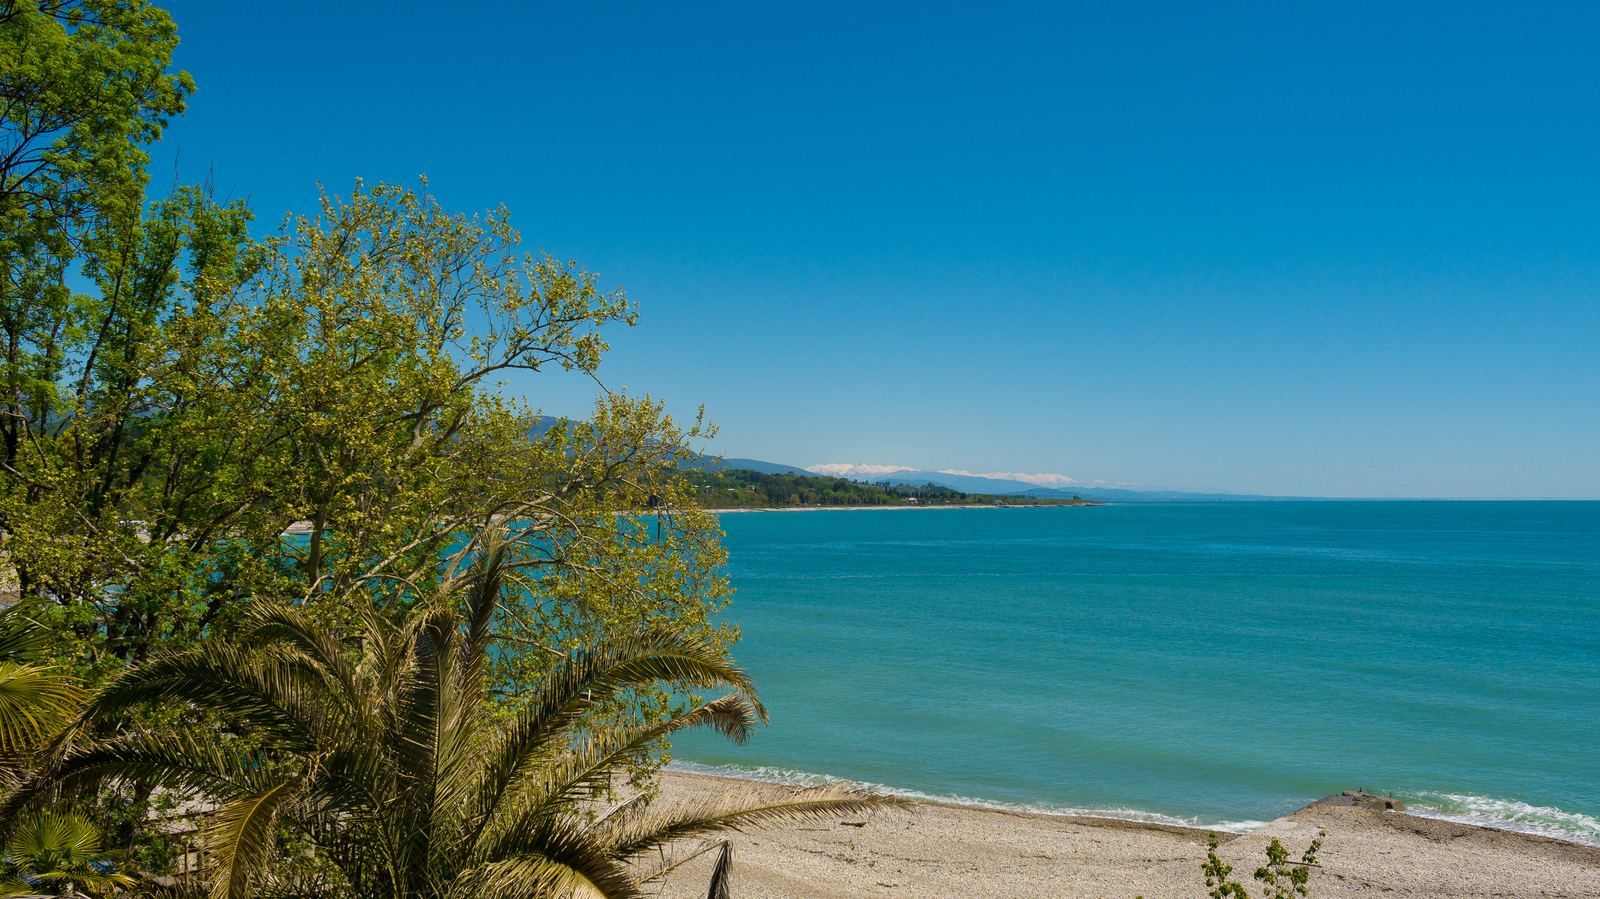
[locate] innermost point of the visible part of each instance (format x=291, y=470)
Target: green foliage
x=86, y=87
x=206, y=423
x=1279, y=880
x=313, y=419
x=336, y=382
x=218, y=421
x=376, y=769
x=88, y=452
x=37, y=699
x=1217, y=872
x=735, y=488
x=60, y=852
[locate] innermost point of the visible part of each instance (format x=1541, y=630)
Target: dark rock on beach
x=1364, y=800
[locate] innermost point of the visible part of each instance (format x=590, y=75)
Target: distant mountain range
x=994, y=486
x=1118, y=495
x=765, y=467
x=999, y=487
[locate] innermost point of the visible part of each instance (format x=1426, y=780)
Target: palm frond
x=483, y=598
x=587, y=680
x=417, y=729
x=21, y=639
x=17, y=888
x=585, y=770
x=419, y=691
x=626, y=809
x=722, y=874
x=377, y=751
x=241, y=838
x=352, y=779
x=187, y=761
x=277, y=624
x=555, y=859
x=47, y=832
x=734, y=716
x=720, y=883
x=35, y=702
x=737, y=810
x=270, y=692
x=57, y=848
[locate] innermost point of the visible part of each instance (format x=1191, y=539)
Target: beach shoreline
x=950, y=850
x=1061, y=505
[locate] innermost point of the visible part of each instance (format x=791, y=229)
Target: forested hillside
x=740, y=488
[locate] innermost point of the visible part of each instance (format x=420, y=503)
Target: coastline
x=943, y=850
x=1063, y=505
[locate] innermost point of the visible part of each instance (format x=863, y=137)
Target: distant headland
x=723, y=487
x=1011, y=492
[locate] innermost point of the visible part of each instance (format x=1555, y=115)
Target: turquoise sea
x=1216, y=664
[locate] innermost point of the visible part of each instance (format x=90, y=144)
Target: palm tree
x=37, y=700
x=61, y=853
x=378, y=758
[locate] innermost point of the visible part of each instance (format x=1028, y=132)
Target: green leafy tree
x=339, y=382
x=98, y=448
x=1217, y=872
x=84, y=87
x=318, y=416
x=87, y=86
x=384, y=774
x=333, y=384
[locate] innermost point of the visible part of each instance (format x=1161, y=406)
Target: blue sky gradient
x=1340, y=250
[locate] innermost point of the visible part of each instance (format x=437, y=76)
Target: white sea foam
x=1483, y=811
x=1506, y=814
x=796, y=778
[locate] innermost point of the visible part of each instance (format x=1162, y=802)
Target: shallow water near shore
x=1210, y=664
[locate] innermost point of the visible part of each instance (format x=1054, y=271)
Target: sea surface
x=1212, y=664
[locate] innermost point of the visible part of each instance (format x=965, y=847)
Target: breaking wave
x=795, y=778
x=1507, y=814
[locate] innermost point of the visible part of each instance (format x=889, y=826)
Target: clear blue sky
x=1336, y=249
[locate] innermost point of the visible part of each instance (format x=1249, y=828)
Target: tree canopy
x=318, y=412
x=199, y=421
x=194, y=417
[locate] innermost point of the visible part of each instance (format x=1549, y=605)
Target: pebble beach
x=942, y=851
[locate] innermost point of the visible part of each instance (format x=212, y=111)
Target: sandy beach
x=1060, y=505
x=946, y=852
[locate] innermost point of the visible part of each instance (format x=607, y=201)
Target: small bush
x=1278, y=879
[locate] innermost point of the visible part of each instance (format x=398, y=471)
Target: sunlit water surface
x=1217, y=664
